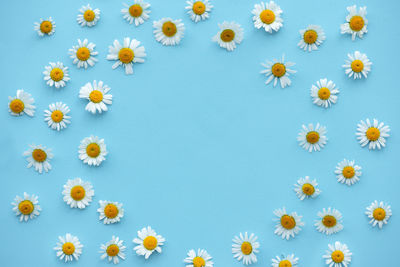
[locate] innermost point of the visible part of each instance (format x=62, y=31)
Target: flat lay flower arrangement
x=201, y=133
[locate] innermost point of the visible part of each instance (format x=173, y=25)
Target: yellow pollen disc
x=329, y=221
x=57, y=116
x=83, y=53
x=308, y=189
x=373, y=133
x=199, y=262
x=312, y=137
x=111, y=211
x=68, y=248
x=112, y=250
x=285, y=263
x=199, y=8
x=169, y=28
x=56, y=74
x=357, y=65
x=227, y=35
x=150, y=242
x=135, y=10
x=25, y=207
x=46, y=26
x=39, y=155
x=17, y=106
x=337, y=256
x=78, y=192
x=278, y=70
x=356, y=23
x=89, y=15
x=246, y=248
x=96, y=96
x=126, y=55
x=267, y=16
x=288, y=222
x=324, y=93
x=93, y=150
x=348, y=172
x=379, y=214
x=310, y=36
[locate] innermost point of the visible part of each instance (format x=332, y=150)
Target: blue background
x=199, y=147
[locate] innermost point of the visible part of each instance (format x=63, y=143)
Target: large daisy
x=330, y=221
x=148, y=241
x=56, y=74
x=372, y=134
x=347, y=172
x=113, y=250
x=267, y=16
x=324, y=94
x=92, y=150
x=39, y=157
x=288, y=261
x=338, y=255
x=138, y=12
x=288, y=224
x=230, y=34
x=78, y=193
x=88, y=16
x=357, y=65
x=379, y=213
x=245, y=247
x=97, y=94
x=311, y=37
x=306, y=188
x=312, y=138
x=199, y=259
x=22, y=103
x=356, y=22
x=45, y=27
x=110, y=212
x=198, y=9
x=68, y=248
x=168, y=31
x=26, y=207
x=57, y=116
x=278, y=70
x=83, y=54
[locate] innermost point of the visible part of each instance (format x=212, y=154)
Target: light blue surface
x=199, y=147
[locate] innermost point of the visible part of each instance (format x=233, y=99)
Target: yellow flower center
x=199, y=8
x=337, y=256
x=126, y=55
x=112, y=250
x=96, y=96
x=329, y=221
x=278, y=70
x=93, y=150
x=227, y=35
x=199, y=262
x=288, y=222
x=312, y=137
x=308, y=189
x=310, y=36
x=68, y=248
x=373, y=133
x=17, y=106
x=379, y=214
x=150, y=242
x=89, y=15
x=78, y=192
x=356, y=23
x=135, y=10
x=246, y=248
x=39, y=155
x=56, y=74
x=348, y=172
x=83, y=53
x=324, y=93
x=285, y=263
x=57, y=116
x=111, y=211
x=357, y=65
x=25, y=207
x=267, y=16
x=169, y=28
x=46, y=26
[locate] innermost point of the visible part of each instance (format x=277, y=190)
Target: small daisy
x=26, y=207
x=288, y=261
x=330, y=222
x=126, y=54
x=39, y=157
x=88, y=16
x=83, y=54
x=199, y=259
x=347, y=172
x=311, y=138
x=379, y=213
x=111, y=212
x=113, y=250
x=199, y=9
x=306, y=188
x=45, y=27
x=56, y=74
x=278, y=70
x=56, y=117
x=68, y=248
x=288, y=225
x=97, y=96
x=311, y=37
x=147, y=242
x=21, y=103
x=245, y=247
x=138, y=12
x=356, y=22
x=267, y=16
x=78, y=193
x=373, y=134
x=324, y=93
x=230, y=34
x=338, y=255
x=357, y=64
x=92, y=150
x=168, y=31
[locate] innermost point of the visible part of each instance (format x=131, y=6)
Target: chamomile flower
x=92, y=150
x=267, y=16
x=56, y=74
x=357, y=65
x=245, y=247
x=26, y=207
x=338, y=255
x=113, y=250
x=306, y=188
x=57, y=116
x=288, y=224
x=278, y=70
x=372, y=134
x=379, y=213
x=126, y=54
x=97, y=96
x=330, y=221
x=198, y=9
x=356, y=22
x=88, y=16
x=39, y=157
x=288, y=261
x=138, y=12
x=168, y=31
x=230, y=34
x=21, y=103
x=324, y=94
x=312, y=138
x=347, y=172
x=199, y=259
x=83, y=54
x=78, y=193
x=68, y=248
x=110, y=212
x=45, y=27
x=147, y=241
x=311, y=37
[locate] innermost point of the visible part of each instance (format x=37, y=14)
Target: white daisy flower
x=356, y=22
x=56, y=74
x=358, y=65
x=230, y=34
x=245, y=247
x=338, y=255
x=379, y=213
x=113, y=250
x=56, y=116
x=21, y=103
x=306, y=188
x=138, y=12
x=78, y=193
x=92, y=150
x=88, y=16
x=147, y=242
x=83, y=54
x=26, y=207
x=168, y=31
x=347, y=172
x=311, y=37
x=68, y=248
x=373, y=134
x=97, y=96
x=267, y=16
x=199, y=9
x=330, y=221
x=45, y=27
x=199, y=259
x=312, y=138
x=110, y=212
x=39, y=157
x=278, y=70
x=288, y=261
x=324, y=94
x=288, y=224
